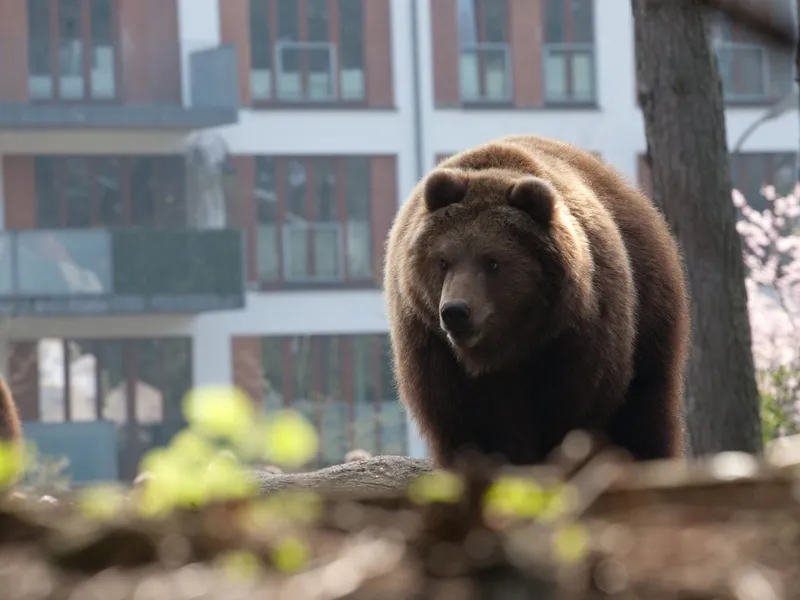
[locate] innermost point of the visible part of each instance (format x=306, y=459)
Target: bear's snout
x=455, y=317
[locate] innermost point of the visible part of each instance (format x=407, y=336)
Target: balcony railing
x=744, y=70
x=51, y=82
x=485, y=73
x=95, y=271
x=569, y=74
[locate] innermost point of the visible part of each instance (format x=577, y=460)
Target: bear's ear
x=535, y=197
x=443, y=188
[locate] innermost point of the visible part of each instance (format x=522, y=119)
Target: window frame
x=727, y=33
x=277, y=45
x=54, y=41
x=379, y=348
x=570, y=48
x=311, y=163
x=56, y=181
x=480, y=44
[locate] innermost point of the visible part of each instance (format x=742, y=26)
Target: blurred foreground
x=587, y=525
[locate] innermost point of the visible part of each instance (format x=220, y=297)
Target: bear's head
x=499, y=264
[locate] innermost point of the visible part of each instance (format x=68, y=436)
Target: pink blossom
x=771, y=254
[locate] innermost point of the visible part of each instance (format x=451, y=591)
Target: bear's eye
x=492, y=265
x=443, y=264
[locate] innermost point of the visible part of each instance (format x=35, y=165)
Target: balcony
x=569, y=75
x=120, y=271
x=485, y=73
x=177, y=85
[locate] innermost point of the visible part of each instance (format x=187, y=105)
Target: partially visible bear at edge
x=532, y=291
x=10, y=425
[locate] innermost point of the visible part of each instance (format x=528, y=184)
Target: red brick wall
x=242, y=208
x=14, y=50
x=378, y=53
x=526, y=51
x=235, y=29
x=247, y=369
x=19, y=192
x=444, y=44
x=383, y=195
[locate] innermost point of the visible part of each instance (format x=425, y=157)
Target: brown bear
x=10, y=425
x=532, y=291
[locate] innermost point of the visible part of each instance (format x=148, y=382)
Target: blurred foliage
x=778, y=390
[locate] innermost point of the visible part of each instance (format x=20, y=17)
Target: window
x=313, y=219
x=71, y=49
x=485, y=56
x=109, y=191
x=343, y=385
x=751, y=171
x=136, y=383
x=311, y=51
x=569, y=71
x=751, y=71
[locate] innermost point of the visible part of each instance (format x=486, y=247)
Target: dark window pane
x=176, y=376
x=356, y=185
x=102, y=24
x=71, y=49
x=295, y=181
x=170, y=191
x=495, y=21
x=330, y=366
x=582, y=21
x=287, y=20
x=363, y=368
x=48, y=209
x=554, y=21
x=351, y=34
x=111, y=209
x=142, y=192
x=70, y=20
x=266, y=197
x=317, y=20
x=260, y=42
x=39, y=49
x=324, y=171
x=77, y=192
x=300, y=355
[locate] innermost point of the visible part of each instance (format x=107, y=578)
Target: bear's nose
x=455, y=315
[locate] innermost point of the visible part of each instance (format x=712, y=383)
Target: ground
x=723, y=529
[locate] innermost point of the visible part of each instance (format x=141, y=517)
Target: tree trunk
x=681, y=98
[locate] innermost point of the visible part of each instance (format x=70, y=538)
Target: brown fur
x=10, y=425
x=576, y=295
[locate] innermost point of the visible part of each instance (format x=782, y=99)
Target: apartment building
x=198, y=191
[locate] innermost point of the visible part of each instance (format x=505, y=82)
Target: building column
x=212, y=362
